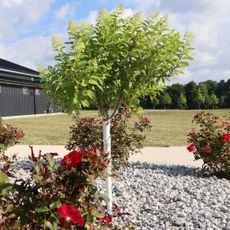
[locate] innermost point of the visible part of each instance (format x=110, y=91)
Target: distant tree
x=182, y=102
x=165, y=100
x=199, y=98
x=221, y=101
x=155, y=101
x=227, y=94
x=175, y=91
x=204, y=91
x=190, y=93
x=211, y=86
x=213, y=100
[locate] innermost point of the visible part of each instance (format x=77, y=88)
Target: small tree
x=182, y=102
x=199, y=98
x=165, y=99
x=213, y=100
x=155, y=101
x=115, y=61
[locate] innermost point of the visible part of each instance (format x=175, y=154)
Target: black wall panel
x=14, y=102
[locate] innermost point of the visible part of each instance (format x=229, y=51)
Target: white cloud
x=209, y=21
x=16, y=16
x=66, y=11
x=128, y=13
x=29, y=52
x=92, y=17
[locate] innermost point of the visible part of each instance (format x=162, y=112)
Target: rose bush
x=125, y=140
x=56, y=195
x=211, y=143
x=9, y=136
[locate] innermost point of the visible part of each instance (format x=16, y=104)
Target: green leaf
x=183, y=64
x=93, y=82
x=96, y=213
x=3, y=178
x=55, y=205
x=50, y=160
x=42, y=209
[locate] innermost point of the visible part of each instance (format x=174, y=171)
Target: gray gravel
x=171, y=197
x=167, y=197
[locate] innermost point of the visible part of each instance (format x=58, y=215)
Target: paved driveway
x=177, y=155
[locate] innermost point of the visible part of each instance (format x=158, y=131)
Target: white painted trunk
x=107, y=151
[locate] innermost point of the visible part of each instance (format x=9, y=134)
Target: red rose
x=146, y=120
x=225, y=137
x=18, y=135
x=222, y=124
x=192, y=134
x=106, y=219
x=127, y=110
x=71, y=160
x=207, y=149
x=191, y=148
x=70, y=215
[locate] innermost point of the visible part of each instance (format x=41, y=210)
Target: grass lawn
x=169, y=127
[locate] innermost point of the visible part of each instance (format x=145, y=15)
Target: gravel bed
x=171, y=197
x=167, y=197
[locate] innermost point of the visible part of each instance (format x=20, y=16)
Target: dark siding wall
x=42, y=103
x=13, y=102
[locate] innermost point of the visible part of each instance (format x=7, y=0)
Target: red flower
x=70, y=214
x=192, y=134
x=127, y=110
x=207, y=149
x=146, y=120
x=191, y=148
x=106, y=219
x=71, y=160
x=222, y=124
x=18, y=135
x=225, y=137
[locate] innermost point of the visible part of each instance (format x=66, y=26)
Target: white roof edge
x=21, y=73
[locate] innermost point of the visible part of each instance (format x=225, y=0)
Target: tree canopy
x=117, y=60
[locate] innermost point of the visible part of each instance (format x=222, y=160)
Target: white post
x=107, y=151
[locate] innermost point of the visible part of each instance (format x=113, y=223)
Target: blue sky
x=27, y=26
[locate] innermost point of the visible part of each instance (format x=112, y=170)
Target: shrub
x=211, y=143
x=87, y=132
x=56, y=196
x=9, y=136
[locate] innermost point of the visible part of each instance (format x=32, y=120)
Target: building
x=20, y=91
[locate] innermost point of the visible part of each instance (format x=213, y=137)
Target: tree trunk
x=107, y=151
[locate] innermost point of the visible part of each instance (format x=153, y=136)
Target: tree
x=155, y=101
x=165, y=99
x=204, y=92
x=182, y=102
x=175, y=91
x=118, y=60
x=199, y=98
x=190, y=93
x=213, y=100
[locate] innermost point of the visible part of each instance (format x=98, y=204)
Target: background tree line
x=205, y=95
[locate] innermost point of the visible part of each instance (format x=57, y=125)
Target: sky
x=27, y=27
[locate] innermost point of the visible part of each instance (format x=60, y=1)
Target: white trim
x=21, y=73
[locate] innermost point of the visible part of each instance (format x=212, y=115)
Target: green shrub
x=9, y=136
x=87, y=132
x=57, y=196
x=211, y=143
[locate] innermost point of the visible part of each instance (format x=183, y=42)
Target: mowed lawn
x=169, y=127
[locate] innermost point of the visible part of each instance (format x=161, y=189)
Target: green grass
x=169, y=127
